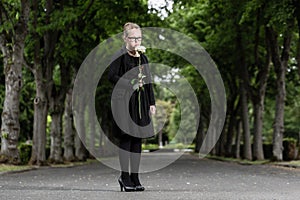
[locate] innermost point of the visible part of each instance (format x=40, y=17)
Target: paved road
x=188, y=178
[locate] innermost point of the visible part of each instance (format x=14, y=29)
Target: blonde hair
x=128, y=26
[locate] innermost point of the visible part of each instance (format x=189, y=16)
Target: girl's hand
x=152, y=110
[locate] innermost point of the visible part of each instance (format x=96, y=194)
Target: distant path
x=188, y=178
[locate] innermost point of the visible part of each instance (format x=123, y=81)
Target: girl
x=134, y=96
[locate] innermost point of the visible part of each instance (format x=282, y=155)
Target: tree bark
x=56, y=102
x=68, y=129
x=80, y=150
x=38, y=155
x=56, y=105
x=92, y=130
x=230, y=133
x=12, y=47
x=200, y=134
x=238, y=139
x=55, y=137
x=258, y=153
x=220, y=146
x=246, y=129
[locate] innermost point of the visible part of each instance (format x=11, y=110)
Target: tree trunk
x=68, y=129
x=221, y=143
x=258, y=94
x=12, y=47
x=246, y=129
x=279, y=118
x=200, y=134
x=280, y=64
x=244, y=90
x=38, y=154
x=57, y=101
x=230, y=133
x=92, y=130
x=56, y=136
x=258, y=153
x=238, y=139
x=10, y=128
x=80, y=150
x=55, y=94
x=214, y=139
x=233, y=109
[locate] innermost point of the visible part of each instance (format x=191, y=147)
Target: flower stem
x=139, y=97
x=140, y=110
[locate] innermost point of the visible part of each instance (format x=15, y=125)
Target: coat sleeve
x=150, y=85
x=115, y=75
x=151, y=95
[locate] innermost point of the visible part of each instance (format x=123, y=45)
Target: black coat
x=130, y=111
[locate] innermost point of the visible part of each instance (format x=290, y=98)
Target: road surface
x=188, y=178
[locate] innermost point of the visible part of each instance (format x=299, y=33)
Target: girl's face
x=133, y=39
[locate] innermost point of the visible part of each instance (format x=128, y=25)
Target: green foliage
x=10, y=12
x=164, y=109
x=149, y=146
x=25, y=152
x=174, y=122
x=290, y=140
x=4, y=135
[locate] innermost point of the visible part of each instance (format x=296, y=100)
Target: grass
x=9, y=168
x=293, y=163
x=149, y=146
x=71, y=164
x=15, y=168
x=240, y=161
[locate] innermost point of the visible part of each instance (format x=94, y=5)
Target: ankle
x=135, y=179
x=125, y=178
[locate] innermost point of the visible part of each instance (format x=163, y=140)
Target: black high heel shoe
x=135, y=179
x=127, y=188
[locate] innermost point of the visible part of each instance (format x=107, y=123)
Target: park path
x=188, y=178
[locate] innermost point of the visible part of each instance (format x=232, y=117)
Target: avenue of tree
x=254, y=43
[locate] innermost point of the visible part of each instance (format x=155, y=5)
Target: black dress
x=130, y=107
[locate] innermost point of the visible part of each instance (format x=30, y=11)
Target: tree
x=297, y=15
x=280, y=60
x=69, y=30
x=14, y=16
x=51, y=70
x=260, y=65
x=280, y=64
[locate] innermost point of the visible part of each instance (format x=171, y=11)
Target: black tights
x=130, y=151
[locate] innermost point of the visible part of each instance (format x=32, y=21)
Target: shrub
x=25, y=152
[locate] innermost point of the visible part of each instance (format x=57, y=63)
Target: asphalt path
x=187, y=178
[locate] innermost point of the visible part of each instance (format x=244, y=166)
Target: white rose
x=140, y=49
